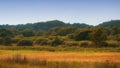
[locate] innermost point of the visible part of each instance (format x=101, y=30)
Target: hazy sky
x=91, y=12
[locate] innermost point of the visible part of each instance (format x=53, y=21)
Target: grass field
x=63, y=56
x=84, y=58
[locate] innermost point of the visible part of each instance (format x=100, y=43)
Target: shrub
x=86, y=44
x=41, y=41
x=114, y=37
x=80, y=35
x=7, y=41
x=113, y=43
x=25, y=43
x=28, y=33
x=1, y=41
x=72, y=43
x=56, y=41
x=98, y=36
x=104, y=44
x=15, y=40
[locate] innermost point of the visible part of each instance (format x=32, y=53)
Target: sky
x=92, y=12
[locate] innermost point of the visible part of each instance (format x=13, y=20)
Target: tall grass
x=19, y=61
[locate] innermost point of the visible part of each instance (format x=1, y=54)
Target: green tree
x=5, y=33
x=40, y=33
x=56, y=41
x=115, y=30
x=28, y=33
x=1, y=41
x=98, y=36
x=80, y=35
x=7, y=41
x=25, y=43
x=61, y=31
x=41, y=41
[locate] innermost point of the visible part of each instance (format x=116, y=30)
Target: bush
x=41, y=41
x=15, y=40
x=114, y=37
x=28, y=33
x=7, y=41
x=1, y=41
x=72, y=43
x=101, y=44
x=25, y=43
x=98, y=36
x=104, y=44
x=86, y=44
x=56, y=41
x=113, y=43
x=80, y=35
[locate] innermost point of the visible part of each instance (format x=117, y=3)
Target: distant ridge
x=45, y=25
x=56, y=23
x=112, y=23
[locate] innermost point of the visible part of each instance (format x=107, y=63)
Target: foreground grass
x=60, y=65
x=58, y=57
x=19, y=61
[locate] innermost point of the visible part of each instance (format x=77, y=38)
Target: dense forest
x=58, y=33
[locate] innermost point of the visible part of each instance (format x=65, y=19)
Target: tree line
x=98, y=36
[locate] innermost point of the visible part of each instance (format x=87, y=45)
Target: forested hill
x=45, y=25
x=112, y=23
x=56, y=23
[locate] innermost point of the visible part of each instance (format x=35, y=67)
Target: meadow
x=43, y=57
x=56, y=43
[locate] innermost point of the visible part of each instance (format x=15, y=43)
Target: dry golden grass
x=70, y=56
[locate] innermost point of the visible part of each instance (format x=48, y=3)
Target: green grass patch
x=32, y=49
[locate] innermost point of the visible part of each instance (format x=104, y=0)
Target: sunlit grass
x=58, y=57
x=18, y=61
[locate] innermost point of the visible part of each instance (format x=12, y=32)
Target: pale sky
x=91, y=12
